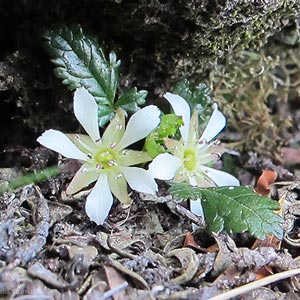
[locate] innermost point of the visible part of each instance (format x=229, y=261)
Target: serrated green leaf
x=131, y=100
x=198, y=97
x=105, y=114
x=81, y=62
x=236, y=209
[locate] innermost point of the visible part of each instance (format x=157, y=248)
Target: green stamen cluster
x=189, y=160
x=106, y=158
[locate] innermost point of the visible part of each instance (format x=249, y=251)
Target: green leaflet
x=80, y=62
x=198, y=97
x=168, y=127
x=131, y=100
x=236, y=209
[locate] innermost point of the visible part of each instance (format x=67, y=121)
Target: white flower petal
x=192, y=180
x=83, y=177
x=59, y=142
x=220, y=178
x=214, y=126
x=140, y=125
x=139, y=180
x=99, y=201
x=196, y=207
x=164, y=166
x=118, y=186
x=86, y=112
x=181, y=108
x=115, y=130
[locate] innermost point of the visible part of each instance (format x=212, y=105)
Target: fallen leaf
x=223, y=259
x=290, y=156
x=115, y=279
x=213, y=248
x=263, y=272
x=97, y=286
x=189, y=261
x=37, y=270
x=190, y=241
x=264, y=181
x=269, y=241
x=88, y=253
x=138, y=279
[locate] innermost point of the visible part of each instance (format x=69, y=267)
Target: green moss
x=158, y=41
x=253, y=87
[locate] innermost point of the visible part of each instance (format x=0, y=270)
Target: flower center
x=106, y=158
x=189, y=160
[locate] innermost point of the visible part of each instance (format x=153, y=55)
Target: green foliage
x=198, y=97
x=131, y=99
x=236, y=209
x=80, y=62
x=30, y=178
x=251, y=87
x=168, y=127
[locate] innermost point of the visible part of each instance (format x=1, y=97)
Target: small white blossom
x=190, y=158
x=105, y=159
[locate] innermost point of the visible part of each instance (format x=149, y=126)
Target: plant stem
x=30, y=178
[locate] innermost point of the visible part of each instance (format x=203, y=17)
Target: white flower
x=190, y=158
x=105, y=160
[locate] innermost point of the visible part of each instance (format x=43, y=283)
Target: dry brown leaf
x=290, y=156
x=138, y=279
x=189, y=261
x=37, y=270
x=223, y=259
x=97, y=286
x=264, y=181
x=263, y=272
x=190, y=241
x=115, y=279
x=269, y=241
x=88, y=253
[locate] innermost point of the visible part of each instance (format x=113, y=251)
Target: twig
x=256, y=284
x=115, y=290
x=33, y=297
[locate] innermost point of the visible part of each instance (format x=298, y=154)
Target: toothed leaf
x=81, y=62
x=131, y=100
x=234, y=209
x=198, y=97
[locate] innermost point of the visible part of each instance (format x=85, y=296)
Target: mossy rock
x=158, y=41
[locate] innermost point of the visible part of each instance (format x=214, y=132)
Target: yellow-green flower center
x=189, y=160
x=106, y=158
